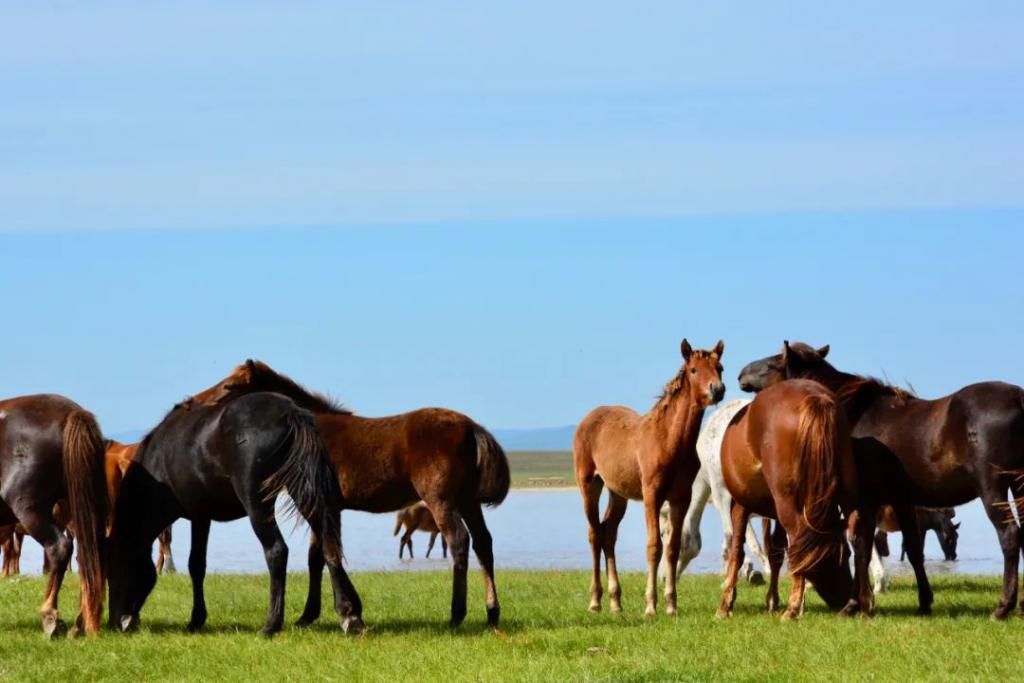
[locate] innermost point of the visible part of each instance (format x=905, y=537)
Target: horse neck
x=677, y=425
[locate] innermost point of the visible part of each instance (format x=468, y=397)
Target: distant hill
x=540, y=439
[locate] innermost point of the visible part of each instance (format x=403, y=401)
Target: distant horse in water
x=383, y=464
x=650, y=457
x=709, y=485
x=787, y=456
x=117, y=458
x=951, y=450
x=219, y=463
x=417, y=518
x=52, y=450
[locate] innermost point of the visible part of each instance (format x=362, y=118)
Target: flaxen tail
x=492, y=468
x=820, y=533
x=311, y=482
x=86, y=485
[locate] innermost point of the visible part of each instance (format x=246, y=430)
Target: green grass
x=531, y=469
x=548, y=634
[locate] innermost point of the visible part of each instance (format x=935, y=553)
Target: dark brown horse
x=787, y=456
x=939, y=520
x=952, y=450
x=52, y=450
x=650, y=457
x=383, y=464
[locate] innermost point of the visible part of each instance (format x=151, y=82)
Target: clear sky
x=513, y=209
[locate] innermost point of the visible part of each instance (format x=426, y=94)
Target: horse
x=709, y=485
x=787, y=456
x=939, y=520
x=117, y=457
x=417, y=518
x=51, y=449
x=384, y=464
x=220, y=463
x=650, y=457
x=952, y=450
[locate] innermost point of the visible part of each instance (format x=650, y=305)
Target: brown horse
x=51, y=450
x=383, y=464
x=951, y=450
x=787, y=456
x=650, y=457
x=117, y=458
x=417, y=518
x=939, y=520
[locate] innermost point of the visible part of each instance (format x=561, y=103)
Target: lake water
x=531, y=530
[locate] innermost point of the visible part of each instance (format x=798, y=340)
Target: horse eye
x=693, y=371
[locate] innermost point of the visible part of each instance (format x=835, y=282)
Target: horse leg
x=483, y=547
x=879, y=578
x=433, y=537
x=740, y=516
x=261, y=517
x=166, y=558
x=796, y=599
x=610, y=535
x=775, y=543
x=652, y=518
x=407, y=540
x=316, y=569
x=449, y=521
x=444, y=547
x=591, y=491
x=1017, y=490
x=762, y=557
x=690, y=544
x=57, y=548
x=863, y=520
x=197, y=572
x=907, y=518
x=999, y=513
x=676, y=512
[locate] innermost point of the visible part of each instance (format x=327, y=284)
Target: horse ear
x=785, y=351
x=719, y=349
x=686, y=350
x=957, y=525
x=823, y=351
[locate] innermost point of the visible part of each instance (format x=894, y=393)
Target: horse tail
x=818, y=487
x=399, y=518
x=492, y=468
x=85, y=479
x=311, y=482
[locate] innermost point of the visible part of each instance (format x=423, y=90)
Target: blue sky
x=513, y=210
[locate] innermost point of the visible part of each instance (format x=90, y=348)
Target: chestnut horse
x=11, y=538
x=650, y=457
x=383, y=464
x=51, y=450
x=219, y=463
x=118, y=457
x=952, y=450
x=417, y=518
x=787, y=456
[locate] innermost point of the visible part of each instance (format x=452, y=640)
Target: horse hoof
x=756, y=579
x=595, y=606
x=129, y=623
x=493, y=616
x=671, y=611
x=789, y=615
x=650, y=612
x=54, y=628
x=304, y=622
x=268, y=631
x=999, y=613
x=722, y=613
x=352, y=626
x=194, y=627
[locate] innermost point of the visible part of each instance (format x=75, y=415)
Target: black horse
x=954, y=449
x=218, y=464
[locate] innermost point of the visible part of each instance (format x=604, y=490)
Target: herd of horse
x=826, y=458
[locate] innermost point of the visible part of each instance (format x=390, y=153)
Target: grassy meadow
x=541, y=469
x=547, y=635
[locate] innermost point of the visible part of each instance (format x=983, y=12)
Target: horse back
x=606, y=443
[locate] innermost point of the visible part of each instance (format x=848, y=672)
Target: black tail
x=311, y=482
x=492, y=468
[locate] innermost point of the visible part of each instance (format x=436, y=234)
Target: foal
x=649, y=457
x=417, y=518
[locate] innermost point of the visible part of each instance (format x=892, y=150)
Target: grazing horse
x=417, y=518
x=954, y=449
x=709, y=486
x=939, y=520
x=219, y=463
x=787, y=456
x=52, y=450
x=650, y=457
x=384, y=464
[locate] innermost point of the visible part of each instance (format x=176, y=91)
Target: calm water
x=531, y=529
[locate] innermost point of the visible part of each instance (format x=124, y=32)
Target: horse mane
x=255, y=375
x=857, y=392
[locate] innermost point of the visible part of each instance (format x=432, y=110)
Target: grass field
x=532, y=469
x=548, y=635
